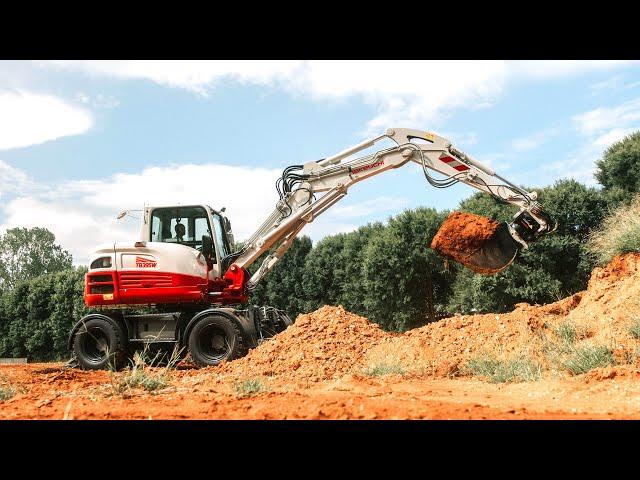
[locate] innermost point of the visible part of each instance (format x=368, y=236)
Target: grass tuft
x=619, y=233
x=140, y=373
x=634, y=329
x=583, y=359
x=521, y=369
x=383, y=368
x=249, y=388
x=6, y=393
x=566, y=332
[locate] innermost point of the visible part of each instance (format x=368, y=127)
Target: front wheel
x=213, y=339
x=99, y=344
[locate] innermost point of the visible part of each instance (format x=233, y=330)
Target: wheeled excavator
x=184, y=271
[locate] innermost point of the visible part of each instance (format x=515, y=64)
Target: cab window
x=184, y=225
x=221, y=238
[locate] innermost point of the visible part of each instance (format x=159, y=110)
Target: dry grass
x=383, y=368
x=585, y=358
x=6, y=393
x=397, y=356
x=619, y=233
x=518, y=369
x=142, y=374
x=634, y=328
x=249, y=388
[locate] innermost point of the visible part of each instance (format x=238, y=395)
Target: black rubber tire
x=210, y=329
x=100, y=344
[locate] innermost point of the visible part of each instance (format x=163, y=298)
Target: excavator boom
x=308, y=190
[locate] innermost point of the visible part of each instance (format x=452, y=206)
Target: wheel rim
x=214, y=343
x=94, y=345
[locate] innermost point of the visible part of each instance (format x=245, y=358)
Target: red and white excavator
x=183, y=266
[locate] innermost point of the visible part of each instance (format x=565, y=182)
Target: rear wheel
x=213, y=339
x=99, y=344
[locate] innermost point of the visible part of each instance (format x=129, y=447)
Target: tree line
x=383, y=271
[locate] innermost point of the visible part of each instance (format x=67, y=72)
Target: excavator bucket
x=480, y=244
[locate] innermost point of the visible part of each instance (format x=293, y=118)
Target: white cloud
x=11, y=178
x=324, y=226
x=404, y=93
x=461, y=139
x=559, y=68
x=28, y=119
x=77, y=228
x=347, y=216
x=368, y=207
x=194, y=75
x=612, y=136
x=497, y=161
x=599, y=129
x=597, y=121
x=98, y=101
x=610, y=84
x=534, y=140
x=579, y=166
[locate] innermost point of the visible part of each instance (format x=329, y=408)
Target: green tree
x=324, y=273
x=333, y=270
x=618, y=171
x=282, y=286
x=396, y=265
x=36, y=315
x=26, y=253
x=353, y=288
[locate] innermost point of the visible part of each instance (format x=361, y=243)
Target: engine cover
x=144, y=273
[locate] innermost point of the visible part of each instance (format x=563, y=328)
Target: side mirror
x=207, y=246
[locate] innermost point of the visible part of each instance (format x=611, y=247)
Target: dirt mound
x=330, y=343
x=462, y=236
x=322, y=345
x=599, y=316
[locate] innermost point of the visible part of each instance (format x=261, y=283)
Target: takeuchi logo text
x=367, y=167
x=145, y=263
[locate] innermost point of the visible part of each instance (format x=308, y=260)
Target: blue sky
x=80, y=141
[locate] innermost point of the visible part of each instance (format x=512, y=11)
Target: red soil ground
x=321, y=367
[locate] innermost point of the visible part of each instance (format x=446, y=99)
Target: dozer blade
x=495, y=254
x=480, y=244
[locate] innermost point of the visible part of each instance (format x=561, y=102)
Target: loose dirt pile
x=599, y=316
x=321, y=345
x=463, y=234
x=331, y=343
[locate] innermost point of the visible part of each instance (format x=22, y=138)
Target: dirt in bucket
x=463, y=234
